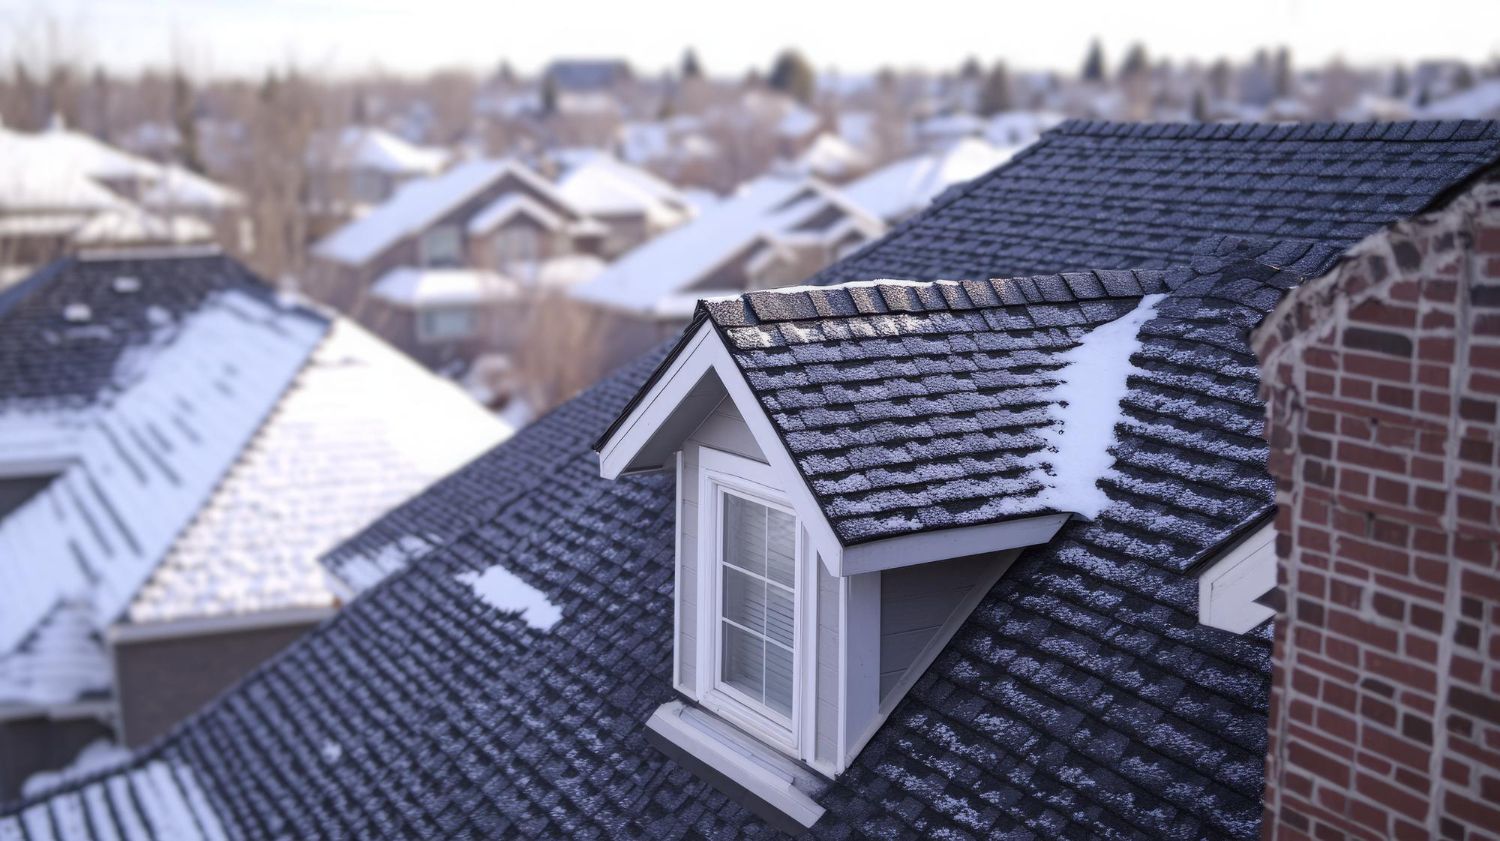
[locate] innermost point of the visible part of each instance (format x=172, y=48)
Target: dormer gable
x=856, y=467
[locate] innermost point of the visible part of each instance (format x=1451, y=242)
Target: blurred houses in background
x=179, y=443
x=355, y=168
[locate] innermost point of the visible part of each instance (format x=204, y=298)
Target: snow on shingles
x=61, y=660
x=501, y=589
x=363, y=570
x=361, y=429
x=147, y=459
x=413, y=207
x=901, y=188
x=413, y=286
x=96, y=756
x=1086, y=409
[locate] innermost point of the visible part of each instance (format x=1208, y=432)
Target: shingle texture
x=114, y=305
x=1081, y=699
x=1094, y=195
x=916, y=407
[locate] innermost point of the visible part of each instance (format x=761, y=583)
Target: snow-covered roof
x=61, y=660
x=361, y=428
x=412, y=286
x=502, y=209
x=141, y=465
x=677, y=259
x=414, y=206
x=1478, y=102
x=177, y=188
x=1019, y=128
x=134, y=225
x=830, y=156
x=897, y=190
x=569, y=269
x=798, y=122
x=370, y=147
x=601, y=185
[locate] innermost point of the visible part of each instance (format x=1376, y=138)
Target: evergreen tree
x=1200, y=106
x=970, y=69
x=1400, y=83
x=1283, y=73
x=691, y=69
x=1093, y=63
x=995, y=96
x=549, y=95
x=184, y=117
x=1136, y=63
x=793, y=75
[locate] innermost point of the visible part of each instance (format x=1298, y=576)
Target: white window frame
x=721, y=473
x=426, y=335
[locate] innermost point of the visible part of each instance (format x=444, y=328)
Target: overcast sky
x=246, y=36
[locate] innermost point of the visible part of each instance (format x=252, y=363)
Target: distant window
x=442, y=246
x=446, y=324
x=517, y=246
x=16, y=491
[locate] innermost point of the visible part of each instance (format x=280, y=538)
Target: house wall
x=1382, y=383
x=915, y=602
x=159, y=682
x=39, y=743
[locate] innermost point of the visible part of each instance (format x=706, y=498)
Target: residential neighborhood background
x=372, y=276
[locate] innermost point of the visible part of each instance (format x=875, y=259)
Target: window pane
x=745, y=534
x=744, y=661
x=781, y=548
x=745, y=599
x=779, y=614
x=779, y=678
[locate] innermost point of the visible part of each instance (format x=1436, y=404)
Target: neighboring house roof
x=504, y=208
x=830, y=156
x=1081, y=697
x=177, y=188
x=415, y=206
x=170, y=395
x=361, y=429
x=1481, y=100
x=410, y=286
x=369, y=147
x=601, y=185
x=900, y=189
x=1091, y=193
x=663, y=268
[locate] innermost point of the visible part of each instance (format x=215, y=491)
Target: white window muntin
x=721, y=475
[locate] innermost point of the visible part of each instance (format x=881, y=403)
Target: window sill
x=754, y=775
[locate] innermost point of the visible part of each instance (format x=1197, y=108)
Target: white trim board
x=673, y=406
x=1228, y=588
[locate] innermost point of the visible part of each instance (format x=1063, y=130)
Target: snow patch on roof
x=98, y=755
x=501, y=589
x=1086, y=406
x=361, y=572
x=906, y=186
x=369, y=147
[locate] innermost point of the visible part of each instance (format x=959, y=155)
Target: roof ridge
x=1404, y=131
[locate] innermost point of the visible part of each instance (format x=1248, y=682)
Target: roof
x=411, y=286
x=830, y=156
x=170, y=394
x=370, y=147
x=680, y=258
x=361, y=429
x=601, y=185
x=1096, y=194
x=412, y=208
x=899, y=189
x=1081, y=697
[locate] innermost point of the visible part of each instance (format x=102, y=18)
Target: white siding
x=723, y=429
x=915, y=602
x=827, y=695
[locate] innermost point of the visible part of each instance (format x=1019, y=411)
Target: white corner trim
x=764, y=774
x=1227, y=589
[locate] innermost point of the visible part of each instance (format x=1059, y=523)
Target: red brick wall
x=1381, y=381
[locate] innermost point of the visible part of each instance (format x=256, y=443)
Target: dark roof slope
x=1095, y=194
x=1081, y=697
x=117, y=303
x=910, y=408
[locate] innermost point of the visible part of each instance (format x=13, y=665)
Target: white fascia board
x=742, y=761
x=1228, y=588
x=944, y=544
x=125, y=633
x=618, y=454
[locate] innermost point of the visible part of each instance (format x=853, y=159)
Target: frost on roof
x=501, y=589
x=1087, y=406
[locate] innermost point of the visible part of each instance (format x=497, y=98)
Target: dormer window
x=750, y=608
x=856, y=467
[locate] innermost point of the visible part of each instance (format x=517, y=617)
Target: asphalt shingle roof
x=1093, y=195
x=1082, y=698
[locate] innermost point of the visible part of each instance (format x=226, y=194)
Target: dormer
x=856, y=467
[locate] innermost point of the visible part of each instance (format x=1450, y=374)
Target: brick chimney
x=1381, y=381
